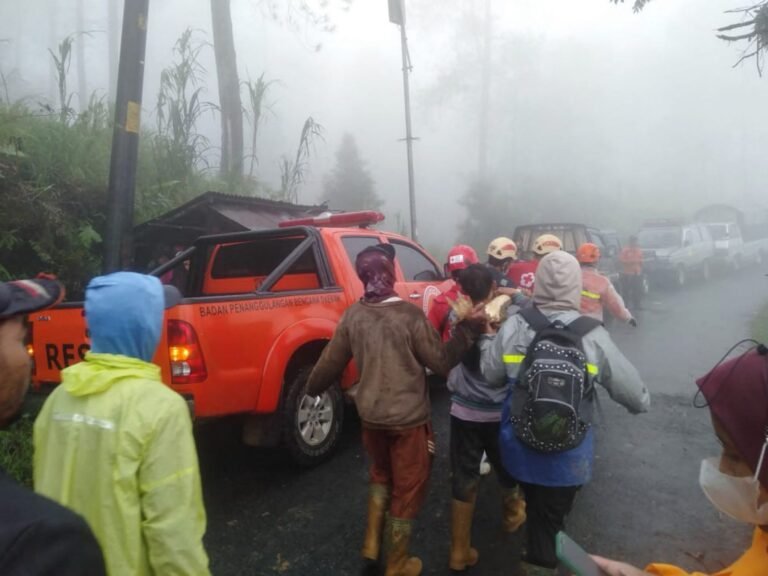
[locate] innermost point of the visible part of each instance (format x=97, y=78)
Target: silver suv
x=675, y=251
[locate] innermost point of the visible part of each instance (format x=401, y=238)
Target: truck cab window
x=415, y=265
x=356, y=244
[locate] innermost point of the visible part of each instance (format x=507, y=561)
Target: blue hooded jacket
x=124, y=312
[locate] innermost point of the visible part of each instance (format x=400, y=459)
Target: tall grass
x=16, y=451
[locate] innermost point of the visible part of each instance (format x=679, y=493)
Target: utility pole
x=485, y=94
x=397, y=16
x=118, y=243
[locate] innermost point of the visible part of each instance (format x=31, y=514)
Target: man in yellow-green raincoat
x=115, y=445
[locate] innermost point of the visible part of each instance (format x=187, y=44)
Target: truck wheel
x=680, y=277
x=311, y=432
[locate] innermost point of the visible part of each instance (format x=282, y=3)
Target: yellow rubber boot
x=514, y=509
x=378, y=502
x=462, y=554
x=398, y=537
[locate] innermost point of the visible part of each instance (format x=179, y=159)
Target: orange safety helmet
x=588, y=253
x=460, y=257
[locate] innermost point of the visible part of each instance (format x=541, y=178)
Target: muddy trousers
x=401, y=460
x=546, y=508
x=468, y=442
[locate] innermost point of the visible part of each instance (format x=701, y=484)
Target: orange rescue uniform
x=597, y=293
x=632, y=260
x=754, y=562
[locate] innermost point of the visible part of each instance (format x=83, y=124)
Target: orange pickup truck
x=258, y=309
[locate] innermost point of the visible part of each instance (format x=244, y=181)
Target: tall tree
x=230, y=105
x=350, y=186
x=752, y=29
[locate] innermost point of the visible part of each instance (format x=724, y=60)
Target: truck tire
x=681, y=278
x=706, y=271
x=311, y=432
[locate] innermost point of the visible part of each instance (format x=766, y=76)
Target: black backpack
x=553, y=383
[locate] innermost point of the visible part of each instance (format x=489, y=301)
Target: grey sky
x=587, y=96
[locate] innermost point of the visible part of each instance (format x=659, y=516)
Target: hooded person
x=736, y=481
x=551, y=479
x=38, y=537
x=392, y=343
x=115, y=444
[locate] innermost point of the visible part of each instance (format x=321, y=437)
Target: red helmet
x=460, y=257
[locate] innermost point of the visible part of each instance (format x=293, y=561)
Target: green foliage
x=179, y=107
x=350, y=186
x=637, y=5
x=760, y=325
x=16, y=450
x=257, y=94
x=292, y=171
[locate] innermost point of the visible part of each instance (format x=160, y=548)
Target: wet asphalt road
x=266, y=517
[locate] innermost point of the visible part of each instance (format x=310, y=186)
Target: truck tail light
x=185, y=354
x=30, y=348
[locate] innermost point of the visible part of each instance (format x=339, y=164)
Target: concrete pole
x=118, y=242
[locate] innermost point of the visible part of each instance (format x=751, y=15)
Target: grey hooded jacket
x=557, y=293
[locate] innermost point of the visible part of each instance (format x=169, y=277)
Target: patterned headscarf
x=737, y=395
x=376, y=270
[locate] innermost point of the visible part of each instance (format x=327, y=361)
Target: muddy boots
x=462, y=554
x=514, y=509
x=378, y=502
x=397, y=537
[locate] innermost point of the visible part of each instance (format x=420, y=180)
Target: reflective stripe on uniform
x=591, y=295
x=514, y=358
x=592, y=369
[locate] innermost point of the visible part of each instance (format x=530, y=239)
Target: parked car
x=740, y=239
x=572, y=235
x=674, y=251
x=259, y=308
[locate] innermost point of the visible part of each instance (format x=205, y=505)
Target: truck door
x=420, y=276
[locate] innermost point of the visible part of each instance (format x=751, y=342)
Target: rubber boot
x=397, y=538
x=378, y=502
x=462, y=554
x=514, y=509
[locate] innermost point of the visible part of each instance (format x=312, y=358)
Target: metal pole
x=408, y=134
x=118, y=242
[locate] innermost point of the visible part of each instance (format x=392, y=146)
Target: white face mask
x=738, y=497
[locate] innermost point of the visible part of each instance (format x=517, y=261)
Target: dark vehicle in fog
x=673, y=251
x=573, y=235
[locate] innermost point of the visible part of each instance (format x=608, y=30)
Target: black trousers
x=468, y=442
x=632, y=288
x=546, y=508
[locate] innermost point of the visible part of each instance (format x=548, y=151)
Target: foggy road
x=644, y=504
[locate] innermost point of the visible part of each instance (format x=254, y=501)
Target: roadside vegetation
x=760, y=325
x=16, y=450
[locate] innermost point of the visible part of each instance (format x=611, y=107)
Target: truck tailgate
x=58, y=340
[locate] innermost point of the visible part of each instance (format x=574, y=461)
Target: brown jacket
x=391, y=343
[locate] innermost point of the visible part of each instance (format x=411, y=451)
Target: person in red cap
x=460, y=257
x=392, y=342
x=736, y=481
x=37, y=536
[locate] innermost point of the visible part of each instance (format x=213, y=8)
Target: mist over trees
x=350, y=186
